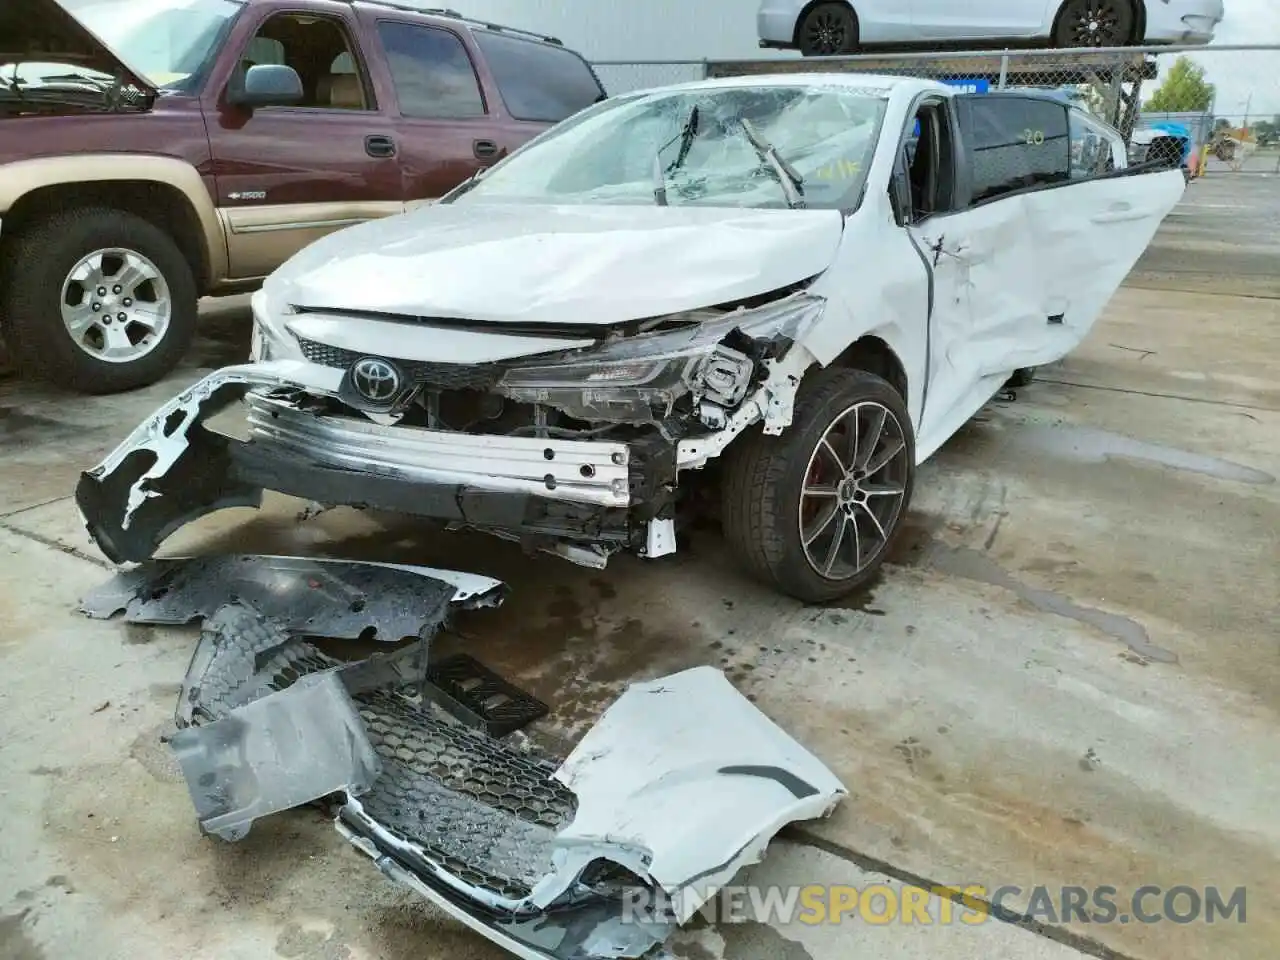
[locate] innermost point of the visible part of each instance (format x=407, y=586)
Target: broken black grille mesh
x=479, y=807
x=436, y=376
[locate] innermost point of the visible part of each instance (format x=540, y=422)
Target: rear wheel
x=1095, y=23
x=829, y=29
x=814, y=512
x=98, y=300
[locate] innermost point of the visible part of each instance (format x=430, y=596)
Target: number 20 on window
x=1033, y=137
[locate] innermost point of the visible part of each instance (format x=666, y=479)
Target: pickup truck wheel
x=829, y=29
x=814, y=512
x=1095, y=23
x=98, y=300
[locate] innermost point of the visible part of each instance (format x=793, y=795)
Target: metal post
x=1004, y=71
x=1117, y=98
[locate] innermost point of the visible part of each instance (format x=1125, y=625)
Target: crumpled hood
x=557, y=264
x=43, y=30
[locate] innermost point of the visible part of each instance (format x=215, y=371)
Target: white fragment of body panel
x=682, y=781
x=167, y=439
x=686, y=769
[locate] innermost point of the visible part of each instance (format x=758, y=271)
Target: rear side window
x=538, y=81
x=1017, y=143
x=432, y=72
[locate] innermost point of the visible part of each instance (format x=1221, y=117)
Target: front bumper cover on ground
x=680, y=784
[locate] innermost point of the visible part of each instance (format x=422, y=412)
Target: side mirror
x=266, y=85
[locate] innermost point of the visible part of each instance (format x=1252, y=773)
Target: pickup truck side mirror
x=266, y=85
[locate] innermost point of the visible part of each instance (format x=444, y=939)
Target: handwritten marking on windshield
x=840, y=170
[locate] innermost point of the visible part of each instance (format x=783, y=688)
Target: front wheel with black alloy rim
x=98, y=300
x=1095, y=23
x=814, y=512
x=828, y=29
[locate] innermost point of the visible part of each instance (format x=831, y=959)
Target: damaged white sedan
x=807, y=283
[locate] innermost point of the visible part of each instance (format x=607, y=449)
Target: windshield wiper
x=685, y=136
x=788, y=177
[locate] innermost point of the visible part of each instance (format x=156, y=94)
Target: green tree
x=1184, y=90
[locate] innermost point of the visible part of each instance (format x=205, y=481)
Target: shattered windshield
x=759, y=146
x=168, y=41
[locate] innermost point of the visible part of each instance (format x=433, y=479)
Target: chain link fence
x=1225, y=100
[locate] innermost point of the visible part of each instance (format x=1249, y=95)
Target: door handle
x=1121, y=213
x=378, y=146
x=484, y=149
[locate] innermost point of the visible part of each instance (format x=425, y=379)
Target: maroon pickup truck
x=156, y=151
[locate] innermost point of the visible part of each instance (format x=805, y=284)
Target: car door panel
x=980, y=19
x=442, y=119
x=287, y=176
x=940, y=240
x=1094, y=231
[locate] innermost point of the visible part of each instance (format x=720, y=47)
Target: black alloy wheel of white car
x=815, y=511
x=1095, y=23
x=97, y=300
x=828, y=29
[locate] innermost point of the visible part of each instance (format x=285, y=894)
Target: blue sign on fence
x=970, y=85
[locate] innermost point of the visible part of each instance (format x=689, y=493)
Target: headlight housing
x=640, y=378
x=270, y=340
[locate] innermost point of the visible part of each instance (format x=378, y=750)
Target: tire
x=762, y=504
x=1021, y=377
x=40, y=263
x=1095, y=23
x=827, y=30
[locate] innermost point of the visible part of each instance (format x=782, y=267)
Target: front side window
x=538, y=81
x=168, y=41
x=694, y=147
x=432, y=72
x=1018, y=143
x=1094, y=147
x=318, y=49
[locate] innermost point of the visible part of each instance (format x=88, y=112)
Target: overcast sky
x=1237, y=75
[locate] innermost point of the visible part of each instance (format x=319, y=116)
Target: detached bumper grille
x=435, y=376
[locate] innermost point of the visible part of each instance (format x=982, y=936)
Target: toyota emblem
x=375, y=380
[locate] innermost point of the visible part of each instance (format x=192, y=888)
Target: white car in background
x=833, y=27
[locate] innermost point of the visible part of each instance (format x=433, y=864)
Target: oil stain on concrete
x=15, y=942
x=752, y=940
x=920, y=547
x=1091, y=445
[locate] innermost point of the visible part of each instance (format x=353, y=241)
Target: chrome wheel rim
x=116, y=305
x=827, y=32
x=855, y=485
x=1095, y=23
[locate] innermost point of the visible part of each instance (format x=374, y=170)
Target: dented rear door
x=1046, y=248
